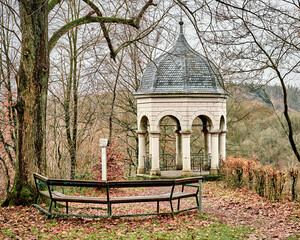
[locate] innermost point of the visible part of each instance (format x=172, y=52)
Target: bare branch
x=104, y=29
x=52, y=4
x=84, y=20
x=142, y=12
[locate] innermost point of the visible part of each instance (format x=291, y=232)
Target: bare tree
x=252, y=41
x=32, y=83
x=9, y=44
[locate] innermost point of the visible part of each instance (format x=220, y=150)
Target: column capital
x=141, y=132
x=186, y=132
x=154, y=133
x=215, y=132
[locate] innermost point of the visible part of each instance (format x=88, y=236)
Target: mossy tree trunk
x=32, y=86
x=32, y=83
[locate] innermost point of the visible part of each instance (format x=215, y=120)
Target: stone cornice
x=176, y=95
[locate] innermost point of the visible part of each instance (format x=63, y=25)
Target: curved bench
x=45, y=187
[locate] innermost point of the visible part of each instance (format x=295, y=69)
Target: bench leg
x=157, y=209
x=178, y=205
x=109, y=210
x=67, y=208
x=171, y=204
x=50, y=207
x=37, y=196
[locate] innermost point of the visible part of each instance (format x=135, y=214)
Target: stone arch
x=201, y=141
x=207, y=122
x=143, y=138
x=222, y=138
x=178, y=127
x=169, y=129
x=143, y=122
x=169, y=112
x=206, y=114
x=222, y=123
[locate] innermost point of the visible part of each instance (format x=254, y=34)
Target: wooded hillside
x=255, y=124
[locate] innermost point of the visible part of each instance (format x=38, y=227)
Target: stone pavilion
x=183, y=85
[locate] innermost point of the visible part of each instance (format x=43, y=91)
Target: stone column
x=178, y=150
x=142, y=152
x=150, y=145
x=186, y=153
x=207, y=142
x=214, y=152
x=154, y=136
x=223, y=145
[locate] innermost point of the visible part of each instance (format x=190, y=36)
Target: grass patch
x=121, y=231
x=186, y=227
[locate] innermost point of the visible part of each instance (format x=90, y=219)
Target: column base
x=155, y=172
x=141, y=171
x=179, y=166
x=186, y=173
x=214, y=172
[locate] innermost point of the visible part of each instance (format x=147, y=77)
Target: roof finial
x=181, y=22
x=181, y=28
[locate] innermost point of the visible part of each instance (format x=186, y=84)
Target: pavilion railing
x=148, y=163
x=167, y=161
x=199, y=162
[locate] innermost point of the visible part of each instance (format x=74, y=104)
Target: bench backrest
x=191, y=180
x=116, y=184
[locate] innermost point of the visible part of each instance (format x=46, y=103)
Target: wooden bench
x=46, y=187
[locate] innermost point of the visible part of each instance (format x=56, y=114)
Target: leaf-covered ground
x=228, y=214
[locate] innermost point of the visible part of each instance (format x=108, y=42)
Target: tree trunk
x=32, y=83
x=32, y=86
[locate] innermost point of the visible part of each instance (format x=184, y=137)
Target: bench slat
x=145, y=183
x=152, y=198
x=60, y=197
x=77, y=183
x=57, y=196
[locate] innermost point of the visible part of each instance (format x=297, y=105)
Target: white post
x=103, y=142
x=186, y=153
x=104, y=164
x=214, y=152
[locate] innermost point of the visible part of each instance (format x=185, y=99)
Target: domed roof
x=181, y=71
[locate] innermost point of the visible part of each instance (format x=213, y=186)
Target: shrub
x=115, y=164
x=267, y=181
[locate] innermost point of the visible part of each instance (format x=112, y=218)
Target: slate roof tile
x=181, y=70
